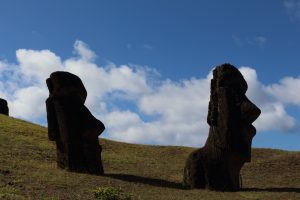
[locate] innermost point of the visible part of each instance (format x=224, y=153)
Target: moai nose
x=249, y=111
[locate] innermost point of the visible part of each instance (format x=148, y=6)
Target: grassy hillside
x=28, y=170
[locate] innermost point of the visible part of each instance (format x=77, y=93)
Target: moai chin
x=4, y=107
x=217, y=165
x=72, y=126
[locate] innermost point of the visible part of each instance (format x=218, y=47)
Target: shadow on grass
x=168, y=184
x=272, y=189
x=146, y=180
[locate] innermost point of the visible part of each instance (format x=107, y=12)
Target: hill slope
x=28, y=170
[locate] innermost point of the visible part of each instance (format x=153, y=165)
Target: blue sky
x=162, y=47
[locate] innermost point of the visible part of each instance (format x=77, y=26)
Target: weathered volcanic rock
x=217, y=165
x=72, y=126
x=3, y=107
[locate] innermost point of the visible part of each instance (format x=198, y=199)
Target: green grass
x=28, y=170
x=110, y=193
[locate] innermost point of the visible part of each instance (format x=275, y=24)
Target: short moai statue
x=4, y=107
x=72, y=126
x=217, y=165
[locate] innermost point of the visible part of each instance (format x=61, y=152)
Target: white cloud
x=165, y=112
x=82, y=49
x=274, y=116
x=286, y=90
x=37, y=65
x=293, y=8
x=29, y=102
x=174, y=99
x=182, y=109
x=3, y=65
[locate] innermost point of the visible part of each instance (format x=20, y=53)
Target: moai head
x=62, y=84
x=3, y=107
x=231, y=113
x=72, y=125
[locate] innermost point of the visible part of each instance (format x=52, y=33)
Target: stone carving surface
x=72, y=126
x=217, y=165
x=3, y=107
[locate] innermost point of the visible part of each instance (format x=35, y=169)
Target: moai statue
x=3, y=107
x=72, y=126
x=217, y=165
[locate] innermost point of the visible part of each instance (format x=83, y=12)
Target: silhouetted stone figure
x=71, y=125
x=3, y=107
x=217, y=165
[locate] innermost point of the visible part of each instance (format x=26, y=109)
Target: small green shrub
x=110, y=193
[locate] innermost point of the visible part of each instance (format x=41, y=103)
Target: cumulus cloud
x=82, y=49
x=158, y=112
x=2, y=66
x=274, y=116
x=36, y=65
x=285, y=90
x=28, y=102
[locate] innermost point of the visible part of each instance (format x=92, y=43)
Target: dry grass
x=28, y=170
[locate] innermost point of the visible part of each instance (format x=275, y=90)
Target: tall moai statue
x=72, y=126
x=217, y=165
x=4, y=107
